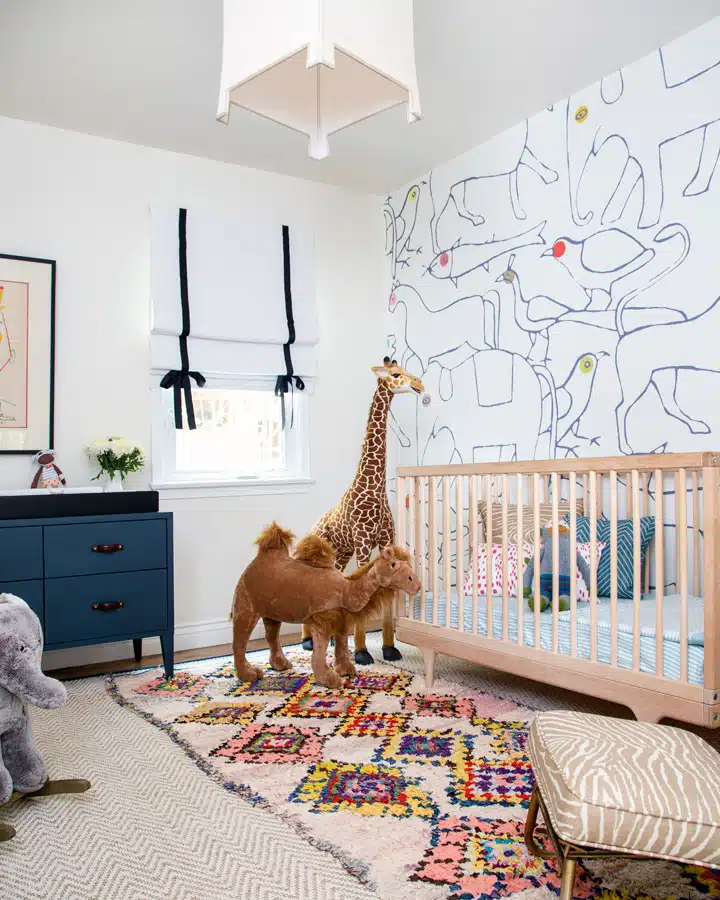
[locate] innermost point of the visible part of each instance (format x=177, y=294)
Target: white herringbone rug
x=153, y=826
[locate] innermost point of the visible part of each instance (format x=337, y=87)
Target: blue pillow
x=625, y=538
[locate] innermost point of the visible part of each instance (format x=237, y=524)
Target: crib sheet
x=671, y=644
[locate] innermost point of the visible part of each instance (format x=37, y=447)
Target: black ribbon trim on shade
x=179, y=379
x=289, y=380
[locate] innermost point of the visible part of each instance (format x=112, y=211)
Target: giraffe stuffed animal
x=362, y=520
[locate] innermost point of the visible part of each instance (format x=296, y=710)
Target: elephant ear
x=20, y=655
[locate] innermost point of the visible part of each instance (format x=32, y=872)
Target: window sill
x=196, y=490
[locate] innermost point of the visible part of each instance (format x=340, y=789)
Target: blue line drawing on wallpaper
x=606, y=260
x=591, y=122
x=655, y=354
x=399, y=228
x=691, y=55
x=499, y=158
x=462, y=259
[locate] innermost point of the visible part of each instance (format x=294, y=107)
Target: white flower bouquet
x=116, y=456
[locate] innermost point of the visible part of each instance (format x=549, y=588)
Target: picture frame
x=27, y=354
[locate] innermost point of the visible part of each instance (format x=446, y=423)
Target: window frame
x=165, y=477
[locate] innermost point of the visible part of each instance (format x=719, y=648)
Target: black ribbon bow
x=179, y=379
x=289, y=380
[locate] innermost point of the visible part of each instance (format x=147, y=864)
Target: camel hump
x=274, y=538
x=315, y=551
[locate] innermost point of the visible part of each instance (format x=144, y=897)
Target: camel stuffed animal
x=310, y=589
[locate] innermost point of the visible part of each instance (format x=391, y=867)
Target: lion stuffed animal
x=307, y=588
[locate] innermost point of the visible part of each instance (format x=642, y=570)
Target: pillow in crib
x=583, y=590
x=625, y=537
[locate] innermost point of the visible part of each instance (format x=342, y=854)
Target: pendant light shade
x=318, y=65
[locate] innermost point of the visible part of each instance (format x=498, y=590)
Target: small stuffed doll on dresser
x=546, y=570
x=48, y=475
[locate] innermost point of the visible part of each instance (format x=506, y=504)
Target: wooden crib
x=616, y=648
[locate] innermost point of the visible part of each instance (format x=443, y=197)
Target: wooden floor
x=128, y=665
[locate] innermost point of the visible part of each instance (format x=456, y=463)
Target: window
x=239, y=441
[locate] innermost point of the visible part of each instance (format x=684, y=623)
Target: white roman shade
x=318, y=65
x=236, y=292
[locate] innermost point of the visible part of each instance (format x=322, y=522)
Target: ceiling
x=147, y=71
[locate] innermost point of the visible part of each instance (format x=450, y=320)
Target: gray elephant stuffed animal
x=22, y=768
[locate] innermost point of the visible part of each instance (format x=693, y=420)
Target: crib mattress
x=648, y=648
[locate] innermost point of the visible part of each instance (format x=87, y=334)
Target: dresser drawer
x=29, y=591
x=105, y=607
x=100, y=547
x=21, y=554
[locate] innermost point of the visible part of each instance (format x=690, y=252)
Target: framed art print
x=27, y=353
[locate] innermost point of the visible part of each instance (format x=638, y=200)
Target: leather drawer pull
x=107, y=548
x=108, y=607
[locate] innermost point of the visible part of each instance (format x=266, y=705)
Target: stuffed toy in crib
x=546, y=570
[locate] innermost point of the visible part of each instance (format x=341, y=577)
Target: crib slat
x=681, y=525
x=645, y=484
x=555, y=562
x=659, y=571
x=460, y=549
x=593, y=570
x=473, y=513
x=505, y=500
x=586, y=500
x=421, y=538
x=520, y=499
x=446, y=546
x=573, y=565
x=401, y=537
x=613, y=569
x=412, y=529
x=432, y=545
x=696, y=534
x=637, y=567
x=536, y=557
x=489, y=561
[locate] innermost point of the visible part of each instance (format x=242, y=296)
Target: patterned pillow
x=583, y=590
x=546, y=514
x=625, y=536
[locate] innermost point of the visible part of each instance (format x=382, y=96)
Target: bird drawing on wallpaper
x=461, y=259
x=573, y=397
x=534, y=316
x=608, y=260
x=400, y=227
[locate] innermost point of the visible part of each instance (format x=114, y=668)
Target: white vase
x=113, y=483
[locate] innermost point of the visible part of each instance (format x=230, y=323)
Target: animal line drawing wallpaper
x=13, y=354
x=558, y=288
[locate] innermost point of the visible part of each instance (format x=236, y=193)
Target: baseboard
x=188, y=636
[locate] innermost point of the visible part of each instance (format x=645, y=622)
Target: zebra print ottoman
x=611, y=787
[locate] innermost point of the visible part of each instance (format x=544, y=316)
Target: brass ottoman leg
x=568, y=879
x=7, y=833
x=530, y=824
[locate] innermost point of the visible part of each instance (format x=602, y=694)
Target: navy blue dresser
x=94, y=579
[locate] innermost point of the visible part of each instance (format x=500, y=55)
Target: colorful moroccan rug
x=419, y=795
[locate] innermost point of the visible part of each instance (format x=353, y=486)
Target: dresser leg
x=137, y=649
x=168, y=653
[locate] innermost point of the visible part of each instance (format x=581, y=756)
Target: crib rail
x=652, y=521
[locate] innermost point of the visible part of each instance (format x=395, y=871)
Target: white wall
x=83, y=201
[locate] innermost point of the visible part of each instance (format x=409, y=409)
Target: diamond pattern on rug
x=509, y=739
x=181, y=685
x=369, y=790
x=282, y=683
x=216, y=712
x=273, y=744
x=436, y=748
x=447, y=706
x=482, y=782
x=488, y=859
x=332, y=705
x=373, y=725
x=395, y=684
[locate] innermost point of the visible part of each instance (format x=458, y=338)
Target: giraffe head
x=396, y=378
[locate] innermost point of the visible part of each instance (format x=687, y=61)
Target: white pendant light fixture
x=318, y=65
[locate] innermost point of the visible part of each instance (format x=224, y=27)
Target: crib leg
x=650, y=714
x=429, y=666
